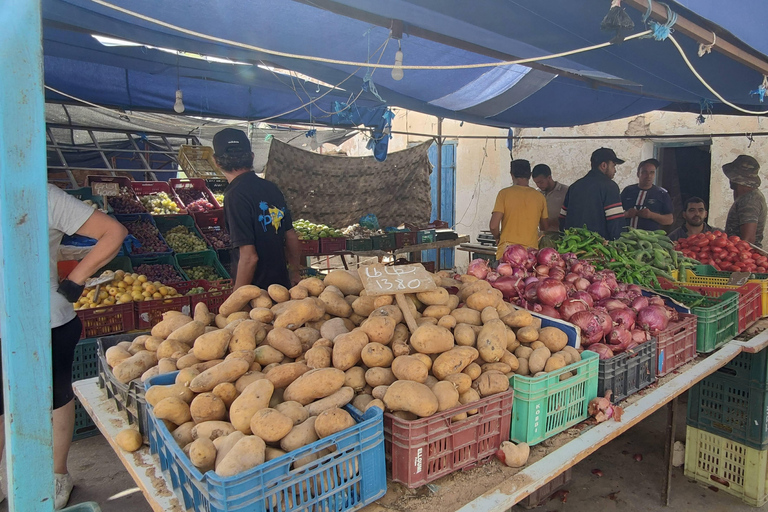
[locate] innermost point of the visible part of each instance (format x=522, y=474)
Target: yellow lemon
x=126, y=297
x=146, y=294
x=163, y=290
x=128, y=279
x=151, y=288
x=112, y=291
x=142, y=279
x=172, y=291
x=157, y=295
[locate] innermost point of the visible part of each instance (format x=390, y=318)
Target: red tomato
x=719, y=242
x=745, y=256
x=702, y=242
x=760, y=269
x=734, y=239
x=743, y=246
x=709, y=236
x=750, y=268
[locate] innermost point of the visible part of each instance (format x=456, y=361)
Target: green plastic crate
x=707, y=275
x=165, y=224
x=718, y=318
x=208, y=258
x=749, y=367
x=84, y=366
x=164, y=259
x=117, y=263
x=545, y=406
x=84, y=425
x=384, y=242
x=359, y=244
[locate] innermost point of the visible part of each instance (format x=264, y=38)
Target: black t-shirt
x=256, y=214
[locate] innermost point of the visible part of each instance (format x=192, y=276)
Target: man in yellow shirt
x=520, y=210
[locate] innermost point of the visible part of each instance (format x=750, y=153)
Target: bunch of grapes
x=148, y=236
x=159, y=203
x=182, y=240
x=126, y=202
x=218, y=238
x=195, y=200
x=163, y=273
x=205, y=272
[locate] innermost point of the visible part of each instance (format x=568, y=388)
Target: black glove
x=71, y=290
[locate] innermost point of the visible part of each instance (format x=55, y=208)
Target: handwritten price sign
x=386, y=280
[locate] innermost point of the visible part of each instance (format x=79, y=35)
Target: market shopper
x=646, y=205
x=553, y=190
x=594, y=201
x=746, y=218
x=694, y=217
x=257, y=217
x=67, y=216
x=519, y=212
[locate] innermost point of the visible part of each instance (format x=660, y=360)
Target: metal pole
x=24, y=271
x=669, y=450
x=439, y=168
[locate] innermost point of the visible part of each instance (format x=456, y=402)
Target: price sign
x=739, y=278
x=106, y=189
x=391, y=280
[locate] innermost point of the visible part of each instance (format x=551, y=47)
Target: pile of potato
x=271, y=372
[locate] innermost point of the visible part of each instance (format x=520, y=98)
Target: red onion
x=640, y=303
x=619, y=336
x=582, y=284
x=631, y=346
x=623, y=317
x=604, y=318
x=453, y=290
x=654, y=318
x=582, y=295
x=610, y=304
x=634, y=288
x=507, y=285
x=557, y=273
x=531, y=279
x=591, y=328
x=492, y=276
x=571, y=306
x=504, y=269
x=547, y=256
x=550, y=311
x=531, y=292
x=571, y=278
x=655, y=300
x=542, y=270
x=577, y=267
x=602, y=350
x=569, y=287
x=515, y=255
x=478, y=268
x=551, y=292
x=623, y=287
x=639, y=336
x=599, y=290
x=622, y=296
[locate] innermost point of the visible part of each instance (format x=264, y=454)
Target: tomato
x=750, y=268
x=719, y=242
x=725, y=266
x=734, y=239
x=718, y=233
x=743, y=246
x=702, y=242
x=760, y=269
x=745, y=256
x=709, y=236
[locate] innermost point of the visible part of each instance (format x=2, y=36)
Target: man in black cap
x=746, y=218
x=594, y=201
x=257, y=217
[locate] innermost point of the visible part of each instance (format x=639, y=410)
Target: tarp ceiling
x=618, y=81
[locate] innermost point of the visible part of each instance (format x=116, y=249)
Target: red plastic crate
x=421, y=451
x=122, y=181
x=311, y=247
x=103, y=321
x=208, y=222
x=332, y=245
x=150, y=312
x=676, y=345
x=144, y=188
x=196, y=184
x=212, y=299
x=405, y=238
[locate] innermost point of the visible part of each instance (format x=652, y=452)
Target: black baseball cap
x=604, y=155
x=229, y=141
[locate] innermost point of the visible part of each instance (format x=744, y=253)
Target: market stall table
x=417, y=248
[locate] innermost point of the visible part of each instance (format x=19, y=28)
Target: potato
x=244, y=335
x=115, y=355
x=499, y=367
x=483, y=299
x=187, y=361
x=347, y=349
x=151, y=343
x=379, y=329
x=538, y=359
x=453, y=361
x=169, y=324
x=313, y=285
x=220, y=321
x=152, y=372
x=266, y=355
x=490, y=383
x=510, y=360
x=432, y=339
x=360, y=401
x=410, y=396
x=348, y=282
x=492, y=341
x=437, y=312
x=461, y=381
x=338, y=399
x=379, y=391
x=473, y=287
x=212, y=429
x=299, y=312
x=464, y=335
x=185, y=376
x=537, y=344
x=207, y=407
x=226, y=371
x=282, y=375
x=488, y=314
x=426, y=320
x=212, y=345
x=376, y=355
x=436, y=297
x=183, y=434
x=364, y=306
x=234, y=319
x=279, y=293
x=566, y=376
x=518, y=318
x=374, y=403
x=294, y=410
x=409, y=368
x=334, y=304
x=129, y=440
x=471, y=395
x=424, y=358
x=390, y=310
x=301, y=435
x=522, y=367
x=332, y=421
x=188, y=332
x=254, y=397
x=554, y=339
x=239, y=299
x=205, y=365
x=132, y=367
x=473, y=370
x=527, y=334
x=318, y=357
x=447, y=322
x=156, y=393
x=170, y=347
x=247, y=453
x=383, y=300
x=554, y=363
x=512, y=342
x=166, y=365
x=307, y=336
x=315, y=384
x=285, y=341
x=447, y=395
x=333, y=328
x=380, y=376
x=173, y=409
x=202, y=454
x=467, y=316
x=523, y=352
x=575, y=354
x=225, y=444
x=270, y=424
x=515, y=456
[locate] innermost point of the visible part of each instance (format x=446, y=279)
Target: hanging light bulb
x=313, y=145
x=397, y=71
x=178, y=107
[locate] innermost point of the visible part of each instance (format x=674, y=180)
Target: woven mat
x=339, y=190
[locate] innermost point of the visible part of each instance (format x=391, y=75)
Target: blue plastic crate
x=350, y=477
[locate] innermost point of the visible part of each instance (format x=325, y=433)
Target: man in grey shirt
x=553, y=191
x=746, y=218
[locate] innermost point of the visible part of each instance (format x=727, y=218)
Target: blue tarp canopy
x=619, y=81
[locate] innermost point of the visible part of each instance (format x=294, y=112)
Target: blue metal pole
x=24, y=271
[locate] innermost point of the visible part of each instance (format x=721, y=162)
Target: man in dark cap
x=746, y=218
x=257, y=217
x=594, y=201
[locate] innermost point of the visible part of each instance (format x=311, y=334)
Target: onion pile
x=613, y=317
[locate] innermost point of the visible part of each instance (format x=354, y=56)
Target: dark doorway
x=685, y=172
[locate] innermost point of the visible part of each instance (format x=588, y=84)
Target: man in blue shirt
x=647, y=206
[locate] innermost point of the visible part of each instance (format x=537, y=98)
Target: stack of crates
x=727, y=429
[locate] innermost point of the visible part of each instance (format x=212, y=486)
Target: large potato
x=226, y=371
x=332, y=421
x=410, y=396
x=301, y=435
x=348, y=282
x=467, y=316
x=244, y=336
x=212, y=345
x=483, y=299
x=347, y=349
x=173, y=409
x=285, y=341
x=490, y=383
x=207, y=407
x=432, y=339
x=188, y=332
x=319, y=357
x=379, y=329
x=132, y=367
x=453, y=361
x=377, y=355
x=447, y=395
x=239, y=299
x=247, y=453
x=169, y=324
x=338, y=399
x=254, y=397
x=334, y=304
x=271, y=425
x=492, y=341
x=315, y=384
x=437, y=297
x=299, y=312
x=212, y=429
x=553, y=338
x=281, y=376
x=410, y=368
x=380, y=376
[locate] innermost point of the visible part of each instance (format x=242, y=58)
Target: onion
x=622, y=296
x=582, y=284
x=619, y=336
x=656, y=300
x=602, y=350
x=491, y=276
x=531, y=292
x=515, y=255
x=604, y=318
x=504, y=269
x=610, y=304
x=507, y=285
x=634, y=288
x=639, y=303
x=569, y=287
x=654, y=318
x=551, y=292
x=599, y=290
x=453, y=290
x=639, y=336
x=623, y=317
x=557, y=273
x=542, y=270
x=571, y=306
x=478, y=268
x=577, y=267
x=531, y=279
x=582, y=295
x=550, y=311
x=591, y=328
x=571, y=277
x=547, y=256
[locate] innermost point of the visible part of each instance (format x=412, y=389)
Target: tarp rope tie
x=660, y=31
x=707, y=48
x=761, y=90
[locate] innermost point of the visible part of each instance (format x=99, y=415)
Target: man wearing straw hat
x=746, y=218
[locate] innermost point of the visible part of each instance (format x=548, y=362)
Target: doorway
x=685, y=172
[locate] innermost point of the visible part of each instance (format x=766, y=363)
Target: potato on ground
x=332, y=421
x=413, y=397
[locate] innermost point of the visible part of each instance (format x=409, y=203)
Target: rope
x=659, y=31
x=353, y=63
x=707, y=48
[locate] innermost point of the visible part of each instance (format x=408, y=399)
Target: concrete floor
x=626, y=485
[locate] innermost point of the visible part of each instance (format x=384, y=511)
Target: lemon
x=157, y=295
x=142, y=279
x=126, y=297
x=172, y=291
x=163, y=290
x=128, y=280
x=112, y=291
x=121, y=285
